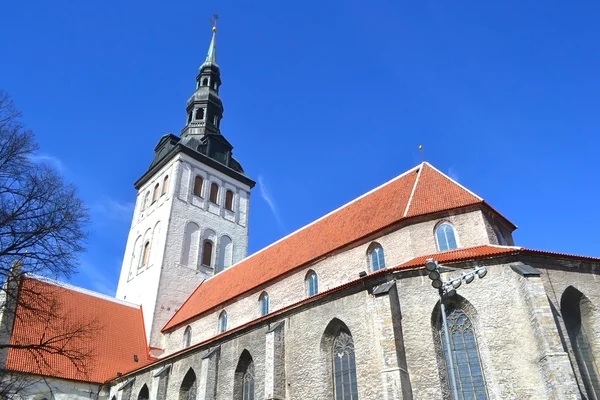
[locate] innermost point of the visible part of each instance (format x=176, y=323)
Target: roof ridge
x=79, y=289
x=315, y=221
x=413, y=190
x=453, y=181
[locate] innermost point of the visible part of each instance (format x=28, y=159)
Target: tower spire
x=211, y=56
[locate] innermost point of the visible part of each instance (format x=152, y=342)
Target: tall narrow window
x=146, y=200
x=189, y=386
x=214, y=192
x=344, y=367
x=312, y=283
x=165, y=185
x=446, y=237
x=377, y=258
x=146, y=255
x=200, y=114
x=229, y=200
x=198, y=181
x=144, y=393
x=222, y=321
x=207, y=248
x=571, y=303
x=187, y=337
x=155, y=192
x=465, y=355
x=248, y=382
x=205, y=82
x=264, y=303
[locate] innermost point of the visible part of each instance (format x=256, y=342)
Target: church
x=414, y=290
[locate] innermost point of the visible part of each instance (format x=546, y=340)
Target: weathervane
x=213, y=20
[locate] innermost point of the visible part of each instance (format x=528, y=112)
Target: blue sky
x=323, y=102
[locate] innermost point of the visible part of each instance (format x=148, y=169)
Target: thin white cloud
x=96, y=278
x=268, y=198
x=453, y=173
x=49, y=160
x=114, y=209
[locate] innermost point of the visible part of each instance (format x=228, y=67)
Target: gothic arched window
x=198, y=181
x=188, y=388
x=146, y=254
x=243, y=384
x=570, y=306
x=144, y=393
x=165, y=185
x=225, y=254
x=229, y=200
x=446, y=237
x=377, y=259
x=222, y=321
x=187, y=337
x=248, y=382
x=465, y=355
x=200, y=114
x=214, y=192
x=312, y=283
x=264, y=303
x=344, y=367
x=146, y=200
x=205, y=82
x=155, y=193
x=207, y=248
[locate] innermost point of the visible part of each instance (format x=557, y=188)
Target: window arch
x=135, y=256
x=445, y=236
x=263, y=300
x=198, y=181
x=155, y=192
x=312, y=283
x=243, y=386
x=376, y=257
x=146, y=254
x=464, y=350
x=338, y=345
x=200, y=114
x=205, y=82
x=144, y=393
x=165, y=185
x=572, y=303
x=187, y=337
x=223, y=321
x=146, y=200
x=214, y=192
x=229, y=200
x=191, y=242
x=188, y=388
x=225, y=254
x=207, y=248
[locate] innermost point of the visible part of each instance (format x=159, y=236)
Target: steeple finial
x=211, y=57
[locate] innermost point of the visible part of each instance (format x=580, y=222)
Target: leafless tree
x=42, y=230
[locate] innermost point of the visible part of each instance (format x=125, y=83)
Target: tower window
x=214, y=192
x=146, y=200
x=200, y=114
x=222, y=321
x=146, y=254
x=312, y=283
x=205, y=82
x=377, y=259
x=155, y=193
x=198, y=186
x=229, y=200
x=165, y=185
x=446, y=237
x=189, y=117
x=264, y=303
x=207, y=253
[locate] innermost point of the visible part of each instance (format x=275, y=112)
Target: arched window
x=146, y=254
x=146, y=200
x=571, y=306
x=312, y=283
x=155, y=193
x=344, y=367
x=264, y=303
x=243, y=385
x=198, y=181
x=225, y=254
x=165, y=185
x=465, y=355
x=222, y=321
x=144, y=393
x=214, y=192
x=377, y=259
x=187, y=337
x=446, y=237
x=188, y=388
x=200, y=114
x=205, y=82
x=229, y=200
x=189, y=117
x=248, y=382
x=191, y=242
x=207, y=248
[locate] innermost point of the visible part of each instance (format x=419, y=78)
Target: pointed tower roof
x=211, y=56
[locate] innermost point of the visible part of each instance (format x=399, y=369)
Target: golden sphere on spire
x=421, y=147
x=214, y=28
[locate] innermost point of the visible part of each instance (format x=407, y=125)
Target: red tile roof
x=421, y=190
x=48, y=311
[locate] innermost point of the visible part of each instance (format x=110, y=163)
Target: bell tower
x=191, y=215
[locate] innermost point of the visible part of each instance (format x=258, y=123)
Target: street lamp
x=448, y=289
